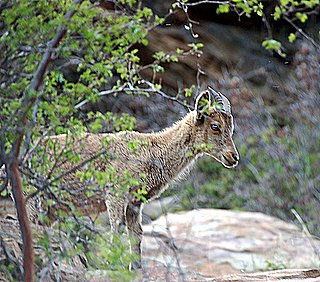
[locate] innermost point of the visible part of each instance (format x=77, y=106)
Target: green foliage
x=278, y=12
x=273, y=265
x=162, y=57
x=216, y=193
x=290, y=10
x=110, y=253
x=103, y=44
x=223, y=8
x=272, y=44
x=8, y=271
x=189, y=91
x=113, y=254
x=248, y=7
x=119, y=123
x=292, y=37
x=302, y=16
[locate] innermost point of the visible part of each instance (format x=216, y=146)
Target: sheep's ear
x=202, y=104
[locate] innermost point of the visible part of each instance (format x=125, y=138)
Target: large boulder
x=218, y=242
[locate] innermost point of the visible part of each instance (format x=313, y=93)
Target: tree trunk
x=20, y=202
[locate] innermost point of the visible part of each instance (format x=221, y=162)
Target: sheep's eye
x=214, y=127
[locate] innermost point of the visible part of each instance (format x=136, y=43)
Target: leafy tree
x=37, y=100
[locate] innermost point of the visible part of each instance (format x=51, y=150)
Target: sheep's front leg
x=134, y=229
x=116, y=209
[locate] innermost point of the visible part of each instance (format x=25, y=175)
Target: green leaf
x=292, y=37
x=271, y=44
x=274, y=45
x=189, y=91
x=223, y=8
x=179, y=51
x=277, y=13
x=174, y=58
x=158, y=20
x=284, y=2
x=144, y=42
x=302, y=17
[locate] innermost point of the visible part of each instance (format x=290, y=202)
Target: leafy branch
x=11, y=159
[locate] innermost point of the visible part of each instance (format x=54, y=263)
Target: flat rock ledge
x=307, y=275
x=162, y=273
x=214, y=243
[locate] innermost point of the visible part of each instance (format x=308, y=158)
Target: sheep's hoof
x=135, y=265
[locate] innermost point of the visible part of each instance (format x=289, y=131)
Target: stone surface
x=158, y=207
x=217, y=242
x=307, y=275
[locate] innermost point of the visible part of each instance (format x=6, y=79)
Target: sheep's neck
x=177, y=146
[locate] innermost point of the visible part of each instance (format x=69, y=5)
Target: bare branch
x=44, y=134
x=75, y=168
x=267, y=24
x=57, y=158
x=151, y=89
x=306, y=36
x=205, y=2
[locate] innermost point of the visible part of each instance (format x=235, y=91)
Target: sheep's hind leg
x=134, y=229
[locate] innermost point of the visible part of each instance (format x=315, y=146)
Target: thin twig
x=206, y=2
x=44, y=134
x=152, y=89
x=306, y=231
x=173, y=247
x=315, y=44
x=77, y=167
x=267, y=24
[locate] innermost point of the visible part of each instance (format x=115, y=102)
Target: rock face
x=218, y=242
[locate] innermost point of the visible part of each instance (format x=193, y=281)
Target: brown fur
x=161, y=156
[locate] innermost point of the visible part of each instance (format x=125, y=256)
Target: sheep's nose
x=235, y=156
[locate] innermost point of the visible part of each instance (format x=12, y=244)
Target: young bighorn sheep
x=162, y=157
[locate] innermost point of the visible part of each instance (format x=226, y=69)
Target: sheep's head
x=214, y=124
